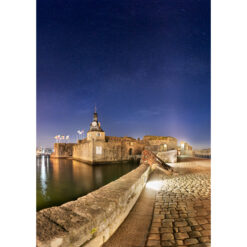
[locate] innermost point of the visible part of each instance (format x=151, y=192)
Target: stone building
x=160, y=143
x=184, y=149
x=99, y=148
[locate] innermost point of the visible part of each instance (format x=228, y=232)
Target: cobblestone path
x=181, y=214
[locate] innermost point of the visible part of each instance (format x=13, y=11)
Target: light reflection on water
x=61, y=180
x=43, y=176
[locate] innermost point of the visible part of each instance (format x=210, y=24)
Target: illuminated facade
x=99, y=148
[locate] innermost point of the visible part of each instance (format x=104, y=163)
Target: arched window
x=130, y=151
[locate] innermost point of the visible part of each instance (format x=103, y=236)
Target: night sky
x=145, y=64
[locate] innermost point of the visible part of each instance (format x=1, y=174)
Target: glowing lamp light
x=154, y=185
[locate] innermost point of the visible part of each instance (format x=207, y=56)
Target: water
x=61, y=180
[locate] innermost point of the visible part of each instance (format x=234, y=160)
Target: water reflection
x=43, y=175
x=61, y=180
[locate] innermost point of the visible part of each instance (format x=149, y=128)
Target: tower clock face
x=94, y=123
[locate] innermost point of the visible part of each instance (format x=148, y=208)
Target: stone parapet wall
x=92, y=219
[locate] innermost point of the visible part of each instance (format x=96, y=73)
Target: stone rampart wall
x=111, y=151
x=83, y=151
x=62, y=150
x=99, y=151
x=92, y=219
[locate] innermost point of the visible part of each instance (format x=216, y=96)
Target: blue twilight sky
x=144, y=63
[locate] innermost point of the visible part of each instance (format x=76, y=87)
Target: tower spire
x=95, y=108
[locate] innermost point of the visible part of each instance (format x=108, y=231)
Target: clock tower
x=95, y=132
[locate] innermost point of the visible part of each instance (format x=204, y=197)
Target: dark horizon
x=146, y=65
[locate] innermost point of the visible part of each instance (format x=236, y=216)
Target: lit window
x=98, y=150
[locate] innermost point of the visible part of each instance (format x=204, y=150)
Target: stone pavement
x=181, y=214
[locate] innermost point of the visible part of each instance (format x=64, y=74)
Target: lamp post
x=79, y=133
x=67, y=138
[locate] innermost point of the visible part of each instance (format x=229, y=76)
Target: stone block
x=166, y=229
x=153, y=236
x=195, y=234
x=167, y=236
x=155, y=243
x=154, y=230
x=48, y=232
x=204, y=239
x=206, y=233
x=184, y=229
x=167, y=243
x=78, y=227
x=190, y=241
x=206, y=226
x=181, y=235
x=180, y=223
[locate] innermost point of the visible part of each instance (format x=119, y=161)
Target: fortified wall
x=99, y=148
x=160, y=143
x=63, y=150
x=112, y=149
